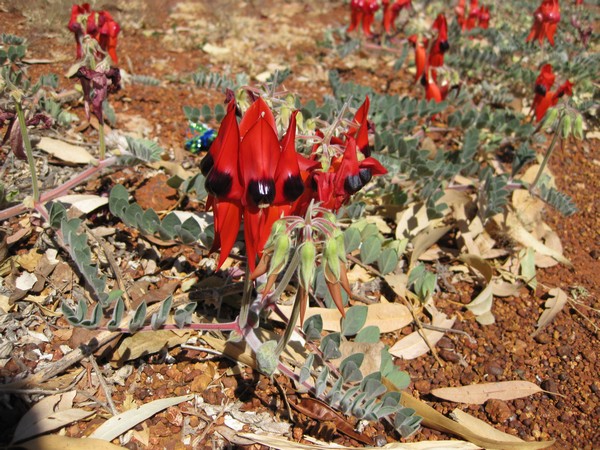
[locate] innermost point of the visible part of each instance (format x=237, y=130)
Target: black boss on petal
x=365, y=175
x=262, y=192
x=293, y=187
x=206, y=164
x=218, y=183
x=444, y=46
x=352, y=184
x=540, y=89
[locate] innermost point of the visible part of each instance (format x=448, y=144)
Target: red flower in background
x=420, y=56
x=391, y=12
x=477, y=16
x=98, y=24
x=440, y=44
x=363, y=11
x=545, y=22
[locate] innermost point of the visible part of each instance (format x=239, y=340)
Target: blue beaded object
x=199, y=137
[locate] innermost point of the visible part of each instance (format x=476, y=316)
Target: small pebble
x=449, y=356
x=423, y=386
x=497, y=410
x=564, y=351
x=543, y=338
x=493, y=368
x=550, y=386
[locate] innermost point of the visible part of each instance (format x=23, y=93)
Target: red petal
x=347, y=179
x=259, y=153
x=374, y=165
x=288, y=181
x=228, y=217
x=258, y=109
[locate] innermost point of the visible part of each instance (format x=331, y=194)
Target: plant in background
x=545, y=22
x=98, y=25
x=363, y=13
x=391, y=13
x=477, y=16
x=96, y=51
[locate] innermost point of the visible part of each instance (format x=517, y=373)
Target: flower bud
x=551, y=116
x=578, y=127
x=280, y=254
x=306, y=271
x=566, y=126
x=331, y=261
x=339, y=237
x=277, y=229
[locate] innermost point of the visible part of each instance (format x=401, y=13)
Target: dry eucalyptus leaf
x=426, y=239
x=387, y=316
x=558, y=299
x=284, y=444
x=119, y=424
x=140, y=344
x=478, y=436
x=68, y=443
x=413, y=345
x=84, y=203
x=482, y=428
x=478, y=394
x=65, y=152
x=481, y=305
x=49, y=414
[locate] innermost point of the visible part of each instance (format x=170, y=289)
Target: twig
x=107, y=391
x=449, y=330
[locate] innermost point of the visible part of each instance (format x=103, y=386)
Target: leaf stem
x=28, y=151
x=547, y=155
x=102, y=140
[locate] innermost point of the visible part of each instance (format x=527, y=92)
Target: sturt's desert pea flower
x=362, y=12
x=552, y=98
x=545, y=22
x=99, y=25
x=391, y=10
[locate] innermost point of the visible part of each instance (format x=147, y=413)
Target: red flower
x=474, y=12
x=543, y=84
x=545, y=21
x=440, y=44
x=552, y=98
x=99, y=25
x=420, y=56
x=484, y=18
x=363, y=11
x=390, y=13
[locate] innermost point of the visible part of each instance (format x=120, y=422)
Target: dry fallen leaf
x=65, y=152
x=140, y=344
x=558, y=299
x=119, y=424
x=481, y=305
x=478, y=394
x=49, y=414
x=413, y=345
x=67, y=443
x=387, y=316
x=481, y=427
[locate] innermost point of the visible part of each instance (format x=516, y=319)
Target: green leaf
x=150, y=222
x=387, y=261
x=266, y=358
x=313, y=326
x=138, y=318
x=355, y=319
x=352, y=239
x=399, y=378
x=183, y=315
x=368, y=335
x=94, y=320
x=117, y=316
x=349, y=368
x=321, y=382
x=370, y=249
x=160, y=317
x=330, y=346
x=169, y=226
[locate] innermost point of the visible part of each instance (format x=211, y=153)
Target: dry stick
x=421, y=331
x=113, y=265
x=107, y=391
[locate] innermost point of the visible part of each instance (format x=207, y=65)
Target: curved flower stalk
x=391, y=13
x=545, y=22
x=97, y=24
x=362, y=12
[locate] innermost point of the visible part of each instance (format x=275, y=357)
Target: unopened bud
x=331, y=261
x=551, y=116
x=306, y=271
x=566, y=126
x=339, y=237
x=280, y=254
x=578, y=127
x=277, y=229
